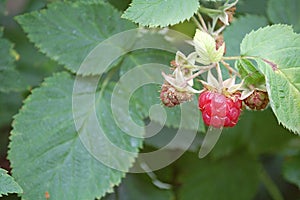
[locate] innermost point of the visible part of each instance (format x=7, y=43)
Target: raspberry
x=171, y=97
x=219, y=110
x=258, y=100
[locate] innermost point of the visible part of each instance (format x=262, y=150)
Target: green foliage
x=276, y=49
x=160, y=12
x=249, y=73
x=291, y=169
x=286, y=12
x=56, y=145
x=10, y=78
x=219, y=179
x=257, y=7
x=73, y=30
x=8, y=184
x=65, y=168
x=234, y=34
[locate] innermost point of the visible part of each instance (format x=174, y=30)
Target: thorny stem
x=220, y=79
x=230, y=69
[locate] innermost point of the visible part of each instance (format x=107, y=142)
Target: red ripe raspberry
x=219, y=110
x=258, y=100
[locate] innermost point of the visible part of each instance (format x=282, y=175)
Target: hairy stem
x=202, y=22
x=220, y=78
x=197, y=23
x=230, y=69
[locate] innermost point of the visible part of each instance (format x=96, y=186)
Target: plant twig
x=230, y=69
x=202, y=22
x=220, y=78
x=197, y=23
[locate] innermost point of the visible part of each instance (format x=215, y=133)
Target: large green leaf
x=45, y=141
x=73, y=29
x=10, y=78
x=139, y=187
x=8, y=184
x=276, y=50
x=232, y=178
x=286, y=12
x=160, y=12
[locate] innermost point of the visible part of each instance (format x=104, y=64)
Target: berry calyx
x=258, y=100
x=219, y=110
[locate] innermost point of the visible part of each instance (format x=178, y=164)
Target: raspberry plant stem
x=197, y=23
x=220, y=78
x=230, y=69
x=201, y=71
x=202, y=22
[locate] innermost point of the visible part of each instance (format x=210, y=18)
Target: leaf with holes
x=276, y=50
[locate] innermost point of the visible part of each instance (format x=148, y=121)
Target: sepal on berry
x=179, y=81
x=227, y=87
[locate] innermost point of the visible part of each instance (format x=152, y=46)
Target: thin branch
x=220, y=78
x=202, y=22
x=217, y=32
x=230, y=69
x=197, y=23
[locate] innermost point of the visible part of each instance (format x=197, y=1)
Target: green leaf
x=10, y=78
x=139, y=187
x=210, y=180
x=234, y=34
x=249, y=73
x=276, y=51
x=291, y=170
x=45, y=141
x=286, y=12
x=160, y=12
x=8, y=184
x=73, y=29
x=205, y=47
